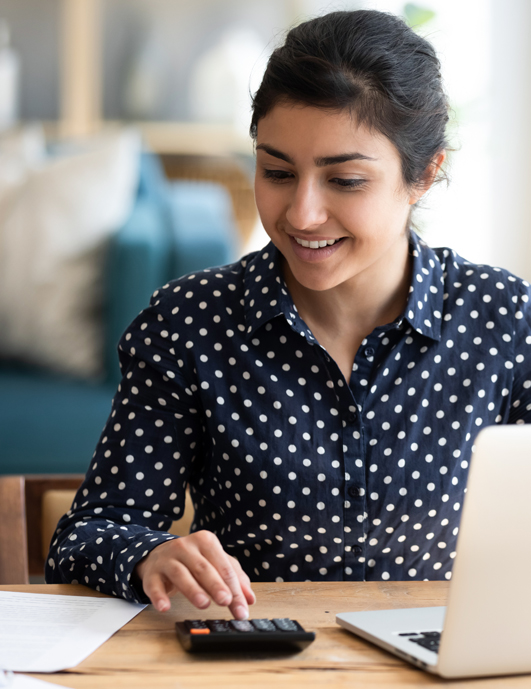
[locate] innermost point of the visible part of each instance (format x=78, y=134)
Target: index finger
x=219, y=559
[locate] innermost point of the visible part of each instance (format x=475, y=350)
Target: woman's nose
x=306, y=209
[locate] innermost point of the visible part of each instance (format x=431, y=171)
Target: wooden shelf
x=175, y=138
x=190, y=138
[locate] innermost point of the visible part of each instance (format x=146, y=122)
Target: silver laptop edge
x=487, y=622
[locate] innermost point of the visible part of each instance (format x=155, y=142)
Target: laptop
x=485, y=629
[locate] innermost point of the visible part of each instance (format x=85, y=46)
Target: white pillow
x=55, y=223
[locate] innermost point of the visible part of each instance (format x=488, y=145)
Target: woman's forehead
x=307, y=131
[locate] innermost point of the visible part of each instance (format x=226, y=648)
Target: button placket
x=354, y=492
x=355, y=507
x=338, y=398
x=355, y=464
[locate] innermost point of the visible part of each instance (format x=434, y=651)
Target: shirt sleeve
x=135, y=486
x=520, y=399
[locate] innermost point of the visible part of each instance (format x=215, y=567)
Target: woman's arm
x=135, y=487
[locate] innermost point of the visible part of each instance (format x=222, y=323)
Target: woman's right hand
x=199, y=568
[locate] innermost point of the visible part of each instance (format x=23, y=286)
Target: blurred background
x=172, y=63
x=125, y=161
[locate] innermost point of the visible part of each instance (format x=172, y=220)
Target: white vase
x=9, y=79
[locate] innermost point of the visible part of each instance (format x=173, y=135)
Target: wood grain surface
x=145, y=654
x=13, y=543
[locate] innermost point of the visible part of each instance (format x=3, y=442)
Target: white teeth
x=316, y=244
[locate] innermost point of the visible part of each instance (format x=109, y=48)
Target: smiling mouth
x=317, y=244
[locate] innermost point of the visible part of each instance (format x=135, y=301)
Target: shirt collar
x=266, y=295
x=426, y=293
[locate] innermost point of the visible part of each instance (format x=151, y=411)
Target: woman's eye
x=277, y=175
x=348, y=183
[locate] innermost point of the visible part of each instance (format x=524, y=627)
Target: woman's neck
x=341, y=317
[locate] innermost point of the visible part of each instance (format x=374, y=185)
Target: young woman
x=320, y=397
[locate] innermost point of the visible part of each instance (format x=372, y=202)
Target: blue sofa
x=51, y=423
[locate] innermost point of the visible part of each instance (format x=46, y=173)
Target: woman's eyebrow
x=320, y=162
x=343, y=158
x=274, y=152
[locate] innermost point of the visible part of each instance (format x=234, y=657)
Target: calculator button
x=263, y=625
x=242, y=625
x=285, y=624
x=195, y=624
x=220, y=626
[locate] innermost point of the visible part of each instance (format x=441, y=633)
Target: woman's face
x=331, y=196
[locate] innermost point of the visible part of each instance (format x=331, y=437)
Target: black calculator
x=279, y=634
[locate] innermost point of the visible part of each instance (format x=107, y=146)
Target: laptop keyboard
x=429, y=640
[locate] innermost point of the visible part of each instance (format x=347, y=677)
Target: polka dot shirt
x=302, y=475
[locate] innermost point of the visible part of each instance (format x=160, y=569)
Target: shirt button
x=352, y=417
x=357, y=549
x=355, y=491
x=369, y=351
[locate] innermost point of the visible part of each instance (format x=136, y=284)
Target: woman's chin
x=313, y=278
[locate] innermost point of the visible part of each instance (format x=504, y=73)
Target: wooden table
x=145, y=654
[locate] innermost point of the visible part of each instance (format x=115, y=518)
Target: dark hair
x=373, y=64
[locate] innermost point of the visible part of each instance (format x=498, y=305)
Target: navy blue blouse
x=301, y=475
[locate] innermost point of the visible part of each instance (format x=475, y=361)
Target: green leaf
x=416, y=16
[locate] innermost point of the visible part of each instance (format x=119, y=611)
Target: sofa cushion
x=49, y=423
x=55, y=224
x=207, y=207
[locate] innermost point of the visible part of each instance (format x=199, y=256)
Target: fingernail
x=163, y=605
x=241, y=613
x=223, y=598
x=201, y=601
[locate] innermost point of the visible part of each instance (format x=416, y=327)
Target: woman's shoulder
x=489, y=283
x=217, y=288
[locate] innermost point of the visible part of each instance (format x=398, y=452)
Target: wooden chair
x=21, y=537
x=30, y=507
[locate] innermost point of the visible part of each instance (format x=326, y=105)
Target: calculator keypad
x=236, y=635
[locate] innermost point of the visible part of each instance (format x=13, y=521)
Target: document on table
x=42, y=632
x=25, y=682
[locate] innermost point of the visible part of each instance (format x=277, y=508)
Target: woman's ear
x=429, y=177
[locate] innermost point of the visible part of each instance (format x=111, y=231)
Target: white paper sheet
x=47, y=633
x=24, y=682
